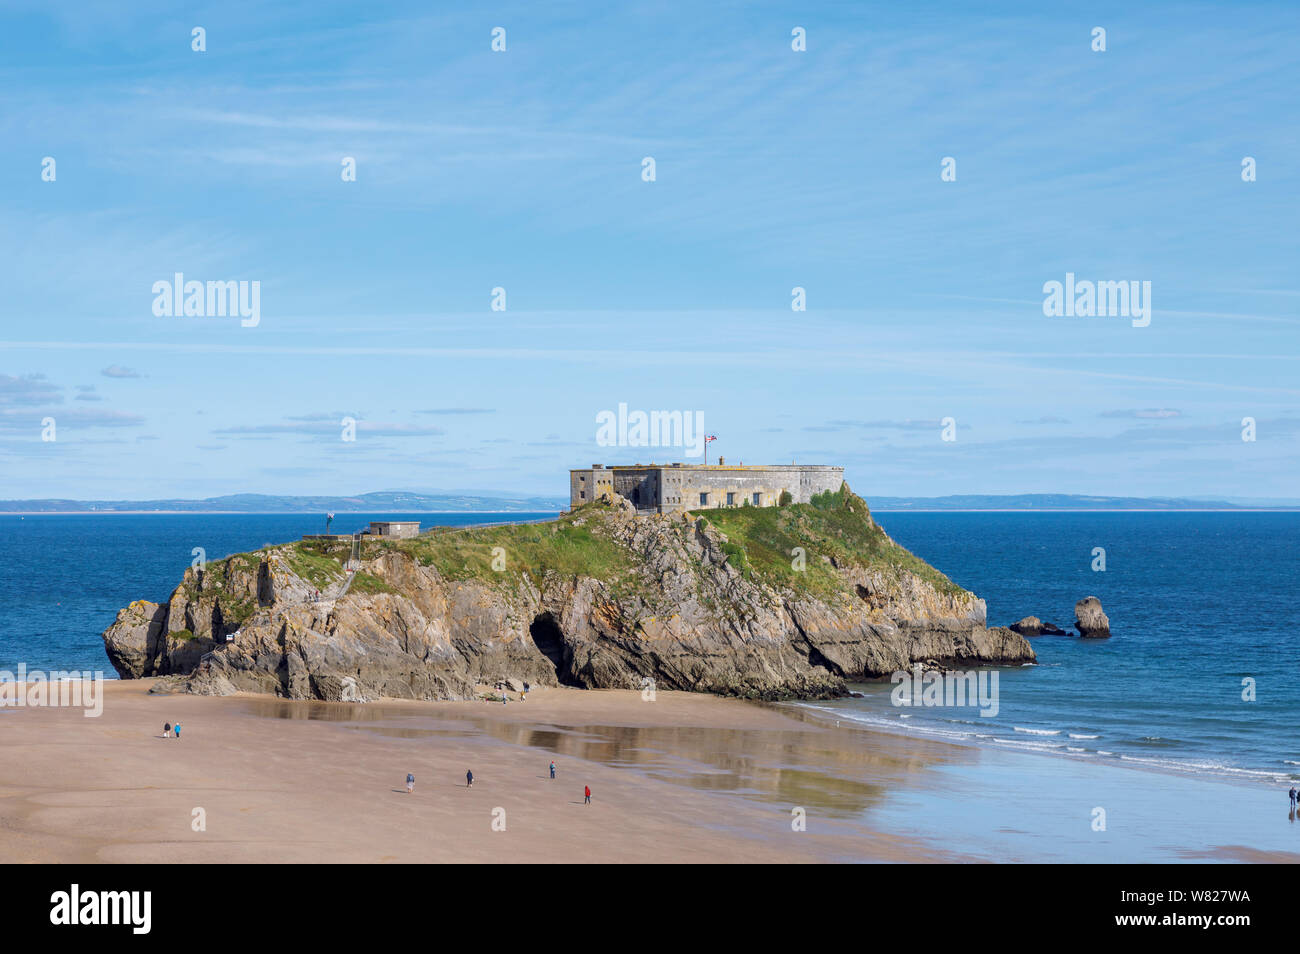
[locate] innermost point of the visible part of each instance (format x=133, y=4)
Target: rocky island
x=757, y=602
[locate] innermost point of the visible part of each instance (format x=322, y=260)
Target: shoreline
x=808, y=710
x=1247, y=778
x=685, y=777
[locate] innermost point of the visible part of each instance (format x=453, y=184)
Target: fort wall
x=672, y=488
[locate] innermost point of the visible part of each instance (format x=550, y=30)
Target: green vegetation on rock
x=368, y=583
x=317, y=562
x=834, y=530
x=570, y=546
x=835, y=524
x=219, y=581
x=236, y=611
x=736, y=556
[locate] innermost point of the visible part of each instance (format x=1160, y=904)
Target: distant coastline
x=898, y=509
x=469, y=503
x=1075, y=503
x=250, y=513
x=393, y=501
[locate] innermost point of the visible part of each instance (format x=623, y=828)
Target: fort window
x=731, y=499
x=758, y=500
x=704, y=499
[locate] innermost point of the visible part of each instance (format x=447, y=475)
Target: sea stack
x=1089, y=619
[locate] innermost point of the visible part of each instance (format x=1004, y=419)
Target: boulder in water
x=1033, y=626
x=1089, y=619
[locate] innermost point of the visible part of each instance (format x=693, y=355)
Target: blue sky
x=774, y=169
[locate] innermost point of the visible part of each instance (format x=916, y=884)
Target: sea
x=1200, y=675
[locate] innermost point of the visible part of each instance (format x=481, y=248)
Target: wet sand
x=684, y=778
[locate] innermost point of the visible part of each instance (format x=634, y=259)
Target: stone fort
x=673, y=488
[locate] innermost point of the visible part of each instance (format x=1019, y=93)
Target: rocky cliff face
x=603, y=598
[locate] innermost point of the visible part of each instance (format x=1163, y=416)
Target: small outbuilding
x=394, y=528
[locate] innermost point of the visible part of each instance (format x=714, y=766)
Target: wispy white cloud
x=117, y=371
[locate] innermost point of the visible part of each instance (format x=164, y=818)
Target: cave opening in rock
x=265, y=585
x=866, y=595
x=549, y=639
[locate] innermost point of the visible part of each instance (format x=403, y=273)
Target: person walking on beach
x=552, y=770
x=410, y=783
x=1293, y=797
x=167, y=734
x=469, y=779
x=586, y=794
x=177, y=729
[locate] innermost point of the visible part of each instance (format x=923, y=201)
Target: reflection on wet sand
x=840, y=771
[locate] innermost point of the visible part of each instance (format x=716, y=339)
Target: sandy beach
x=684, y=778
x=293, y=781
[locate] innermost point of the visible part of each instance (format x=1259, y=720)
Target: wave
x=870, y=720
x=1042, y=741
x=1029, y=745
x=1217, y=768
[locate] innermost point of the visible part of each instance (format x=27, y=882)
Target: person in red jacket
x=586, y=794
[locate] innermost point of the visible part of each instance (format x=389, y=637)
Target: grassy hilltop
x=834, y=530
x=837, y=525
